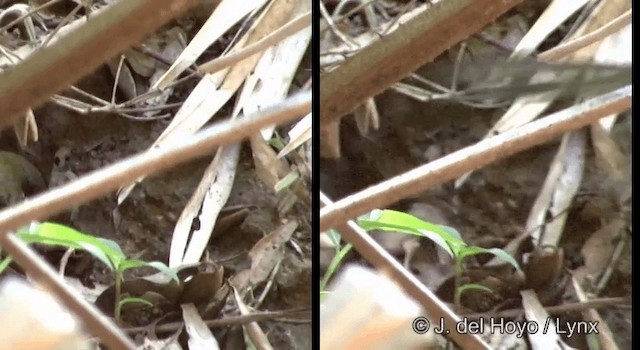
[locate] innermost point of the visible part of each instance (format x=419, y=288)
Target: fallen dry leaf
x=264, y=256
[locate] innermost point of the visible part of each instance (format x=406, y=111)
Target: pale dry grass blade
x=215, y=90
x=206, y=207
x=599, y=34
x=528, y=107
x=252, y=329
x=205, y=204
x=546, y=337
x=226, y=15
x=297, y=24
x=200, y=336
x=592, y=316
x=550, y=210
x=298, y=135
x=276, y=69
x=26, y=129
x=552, y=17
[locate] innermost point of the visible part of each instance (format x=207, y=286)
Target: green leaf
x=473, y=250
x=59, y=235
x=335, y=238
x=130, y=264
x=373, y=215
x=504, y=256
x=165, y=269
x=451, y=231
x=396, y=221
x=276, y=142
x=334, y=264
x=129, y=300
x=286, y=181
x=112, y=245
x=391, y=220
x=441, y=242
x=97, y=253
x=472, y=286
x=5, y=262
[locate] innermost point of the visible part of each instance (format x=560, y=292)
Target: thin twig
x=78, y=53
x=562, y=50
x=297, y=24
x=420, y=39
x=62, y=23
x=28, y=14
x=223, y=322
x=116, y=80
x=334, y=29
x=560, y=309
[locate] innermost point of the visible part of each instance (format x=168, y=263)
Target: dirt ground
x=492, y=207
x=143, y=224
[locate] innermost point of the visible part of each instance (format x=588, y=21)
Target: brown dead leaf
x=199, y=288
x=269, y=168
x=264, y=256
x=544, y=268
x=598, y=249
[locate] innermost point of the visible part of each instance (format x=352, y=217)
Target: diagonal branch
x=474, y=157
x=383, y=261
x=110, y=178
x=398, y=54
x=53, y=68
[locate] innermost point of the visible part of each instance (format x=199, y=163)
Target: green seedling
x=287, y=181
x=133, y=300
x=445, y=237
x=338, y=257
x=276, y=142
x=107, y=251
